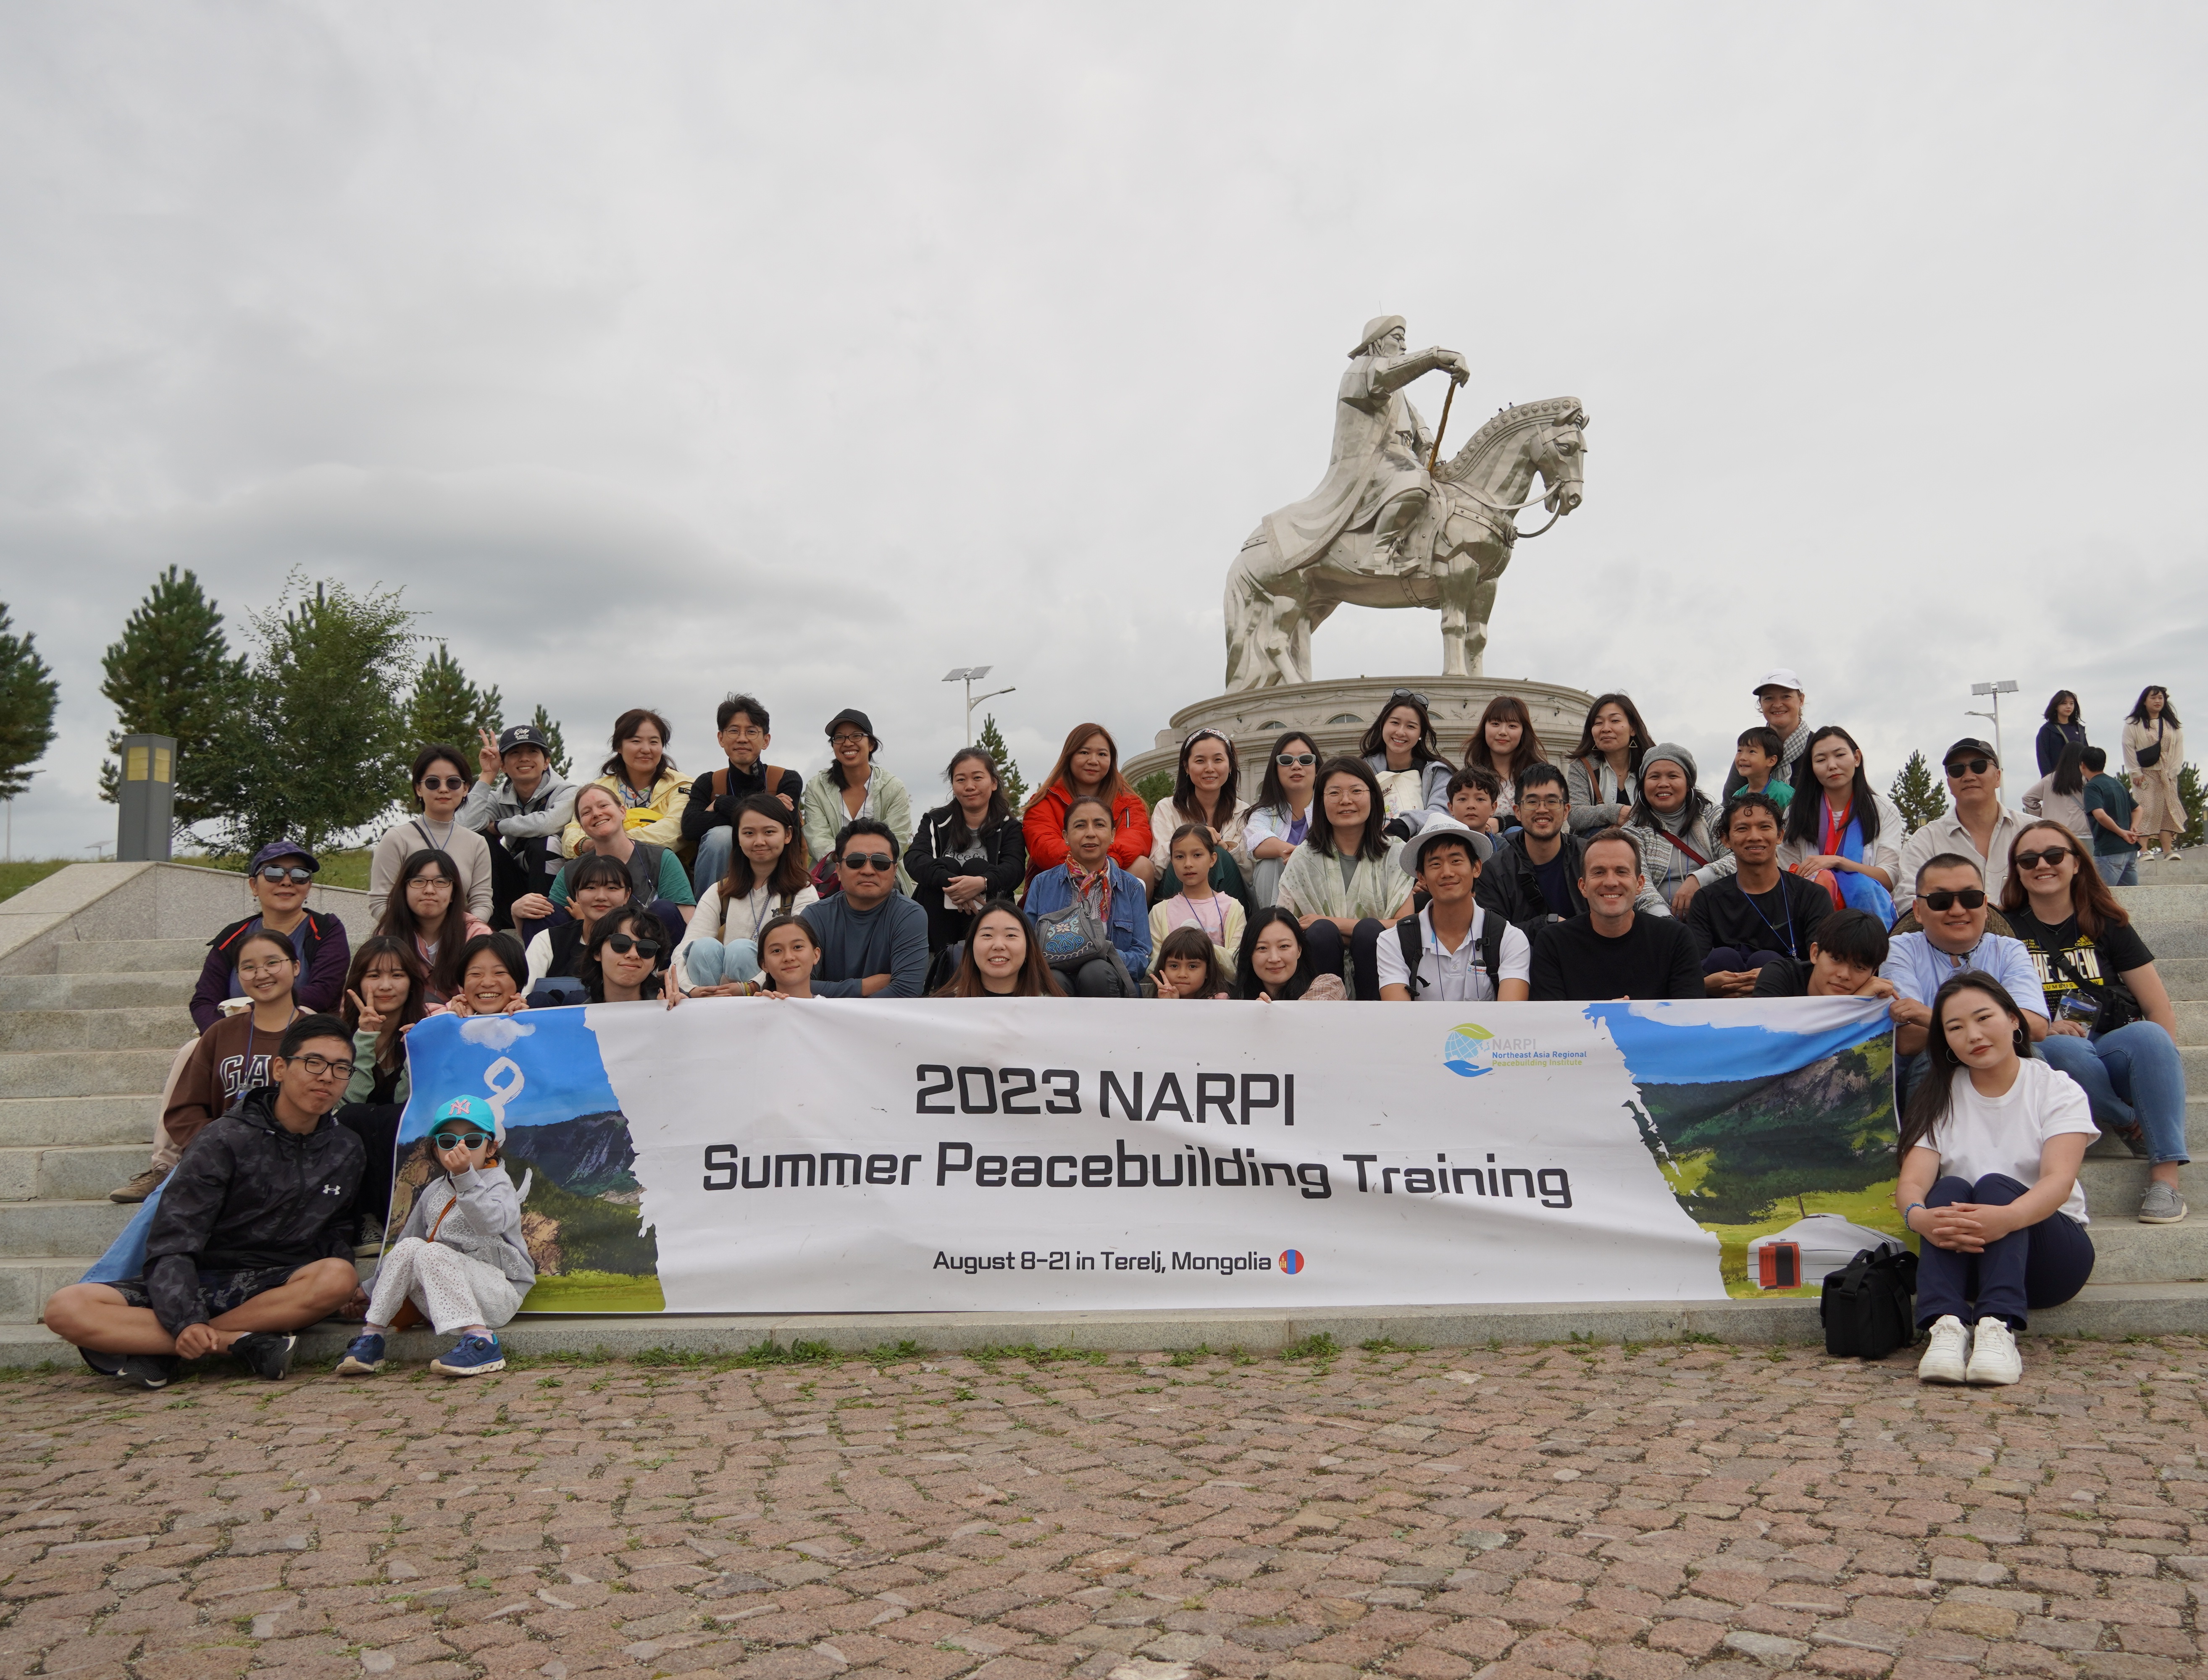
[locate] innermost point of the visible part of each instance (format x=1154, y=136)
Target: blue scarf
x=1858, y=892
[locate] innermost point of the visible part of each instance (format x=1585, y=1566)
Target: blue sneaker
x=475, y=1356
x=363, y=1357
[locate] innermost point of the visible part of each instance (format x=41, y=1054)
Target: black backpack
x=1867, y=1308
x=1491, y=951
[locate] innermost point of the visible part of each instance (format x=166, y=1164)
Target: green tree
x=172, y=673
x=1153, y=788
x=448, y=709
x=1916, y=792
x=28, y=694
x=326, y=736
x=558, y=755
x=2194, y=798
x=1014, y=784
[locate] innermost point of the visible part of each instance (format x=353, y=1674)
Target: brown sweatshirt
x=230, y=1059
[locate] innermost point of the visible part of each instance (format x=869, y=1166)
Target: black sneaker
x=265, y=1353
x=140, y=1370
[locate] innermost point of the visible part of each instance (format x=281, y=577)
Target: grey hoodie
x=548, y=810
x=486, y=1225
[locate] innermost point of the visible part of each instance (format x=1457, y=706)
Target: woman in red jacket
x=1088, y=767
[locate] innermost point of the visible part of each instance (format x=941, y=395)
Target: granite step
x=150, y=989
x=35, y=1230
x=79, y=1172
x=99, y=1031
x=2185, y=978
x=64, y=1073
x=121, y=957
x=31, y=1122
x=2126, y=1251
x=24, y=1284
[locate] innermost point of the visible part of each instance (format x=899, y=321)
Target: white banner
x=746, y=1155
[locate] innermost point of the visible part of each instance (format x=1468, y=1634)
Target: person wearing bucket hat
x=855, y=786
x=1670, y=820
x=1455, y=950
x=459, y=1260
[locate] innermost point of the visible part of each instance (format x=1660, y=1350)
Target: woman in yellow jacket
x=640, y=772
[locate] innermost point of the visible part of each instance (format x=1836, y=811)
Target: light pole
x=1993, y=691
x=970, y=675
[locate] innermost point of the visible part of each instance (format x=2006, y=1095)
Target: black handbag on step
x=1867, y=1308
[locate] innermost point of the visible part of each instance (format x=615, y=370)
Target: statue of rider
x=1376, y=479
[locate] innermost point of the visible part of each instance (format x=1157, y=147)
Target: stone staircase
x=92, y=1012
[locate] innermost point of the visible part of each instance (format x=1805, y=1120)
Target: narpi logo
x=1464, y=1050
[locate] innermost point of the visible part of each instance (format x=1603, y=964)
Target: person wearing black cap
x=279, y=879
x=1975, y=824
x=519, y=804
x=855, y=786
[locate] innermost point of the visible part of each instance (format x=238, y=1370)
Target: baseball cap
x=1779, y=678
x=1969, y=746
x=474, y=1111
x=524, y=735
x=852, y=714
x=1437, y=825
x=281, y=849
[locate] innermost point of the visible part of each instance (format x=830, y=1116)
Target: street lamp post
x=970, y=675
x=1992, y=690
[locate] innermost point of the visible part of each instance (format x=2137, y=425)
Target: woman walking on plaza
x=2154, y=749
x=2064, y=727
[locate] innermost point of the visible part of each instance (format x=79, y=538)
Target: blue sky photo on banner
x=743, y=1155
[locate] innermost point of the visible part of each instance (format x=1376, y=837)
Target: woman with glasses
x=621, y=965
x=1088, y=767
x=1599, y=776
x=656, y=876
x=1342, y=884
x=425, y=909
x=1504, y=741
x=441, y=780
x=1204, y=788
x=1400, y=750
x=2110, y=1025
x=653, y=794
x=279, y=878
x=1280, y=819
x=2154, y=751
x=852, y=787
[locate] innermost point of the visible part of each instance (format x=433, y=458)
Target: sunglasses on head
x=868, y=860
x=2050, y=857
x=1407, y=694
x=451, y=784
x=625, y=943
x=276, y=871
x=1969, y=898
x=1975, y=766
x=461, y=1140
x=1295, y=758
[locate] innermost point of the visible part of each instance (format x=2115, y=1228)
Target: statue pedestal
x=1335, y=714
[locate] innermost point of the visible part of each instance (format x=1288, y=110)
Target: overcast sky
x=659, y=351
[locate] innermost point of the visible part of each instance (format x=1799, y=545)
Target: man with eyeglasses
x=252, y=1240
x=873, y=939
x=1950, y=896
x=1975, y=824
x=279, y=879
x=1533, y=878
x=709, y=820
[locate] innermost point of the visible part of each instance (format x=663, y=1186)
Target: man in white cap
x=1454, y=951
x=1779, y=697
x=1376, y=478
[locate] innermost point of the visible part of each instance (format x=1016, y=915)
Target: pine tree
x=1153, y=787
x=327, y=738
x=1916, y=792
x=558, y=755
x=446, y=707
x=1009, y=778
x=2194, y=799
x=171, y=674
x=28, y=694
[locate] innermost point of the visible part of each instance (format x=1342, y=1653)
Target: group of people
x=1394, y=874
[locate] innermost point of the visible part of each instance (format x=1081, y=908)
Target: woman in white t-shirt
x=766, y=879
x=1990, y=1144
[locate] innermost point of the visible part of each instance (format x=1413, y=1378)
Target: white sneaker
x=1943, y=1359
x=1995, y=1362
x=2149, y=854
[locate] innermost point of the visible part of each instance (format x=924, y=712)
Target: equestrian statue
x=1389, y=527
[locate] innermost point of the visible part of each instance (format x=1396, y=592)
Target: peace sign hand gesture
x=370, y=1022
x=487, y=755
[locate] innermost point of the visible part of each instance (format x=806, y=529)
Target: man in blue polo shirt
x=1951, y=909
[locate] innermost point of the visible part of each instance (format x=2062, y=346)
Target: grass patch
x=14, y=877
x=1382, y=1344
x=595, y=1291
x=990, y=1353
x=1319, y=1346
x=758, y=1356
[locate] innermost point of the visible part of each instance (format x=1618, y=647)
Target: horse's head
x=1559, y=454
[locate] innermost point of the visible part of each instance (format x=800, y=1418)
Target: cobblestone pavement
x=1582, y=1511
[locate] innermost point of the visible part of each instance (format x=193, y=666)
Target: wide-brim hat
x=1438, y=825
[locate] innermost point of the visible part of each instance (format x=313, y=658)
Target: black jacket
x=1507, y=887
x=1004, y=862
x=704, y=812
x=249, y=1194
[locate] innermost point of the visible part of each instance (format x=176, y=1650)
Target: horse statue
x=1272, y=608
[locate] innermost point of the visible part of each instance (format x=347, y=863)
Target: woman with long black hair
x=1204, y=789
x=1599, y=775
x=1504, y=741
x=2154, y=751
x=2064, y=727
x=1401, y=751
x=2059, y=795
x=1989, y=1148
x=1280, y=821
x=1842, y=831
x=967, y=852
x=1275, y=964
x=1003, y=958
x=426, y=906
x=1342, y=882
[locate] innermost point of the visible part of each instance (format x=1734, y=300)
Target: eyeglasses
x=461, y=1140
x=1976, y=766
x=434, y=883
x=278, y=873
x=868, y=860
x=451, y=784
x=1969, y=898
x=1542, y=802
x=847, y=740
x=1295, y=758
x=322, y=1067
x=1408, y=695
x=624, y=943
x=2050, y=857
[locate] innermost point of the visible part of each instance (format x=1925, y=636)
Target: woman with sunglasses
x=1599, y=776
x=1401, y=751
x=1280, y=819
x=424, y=907
x=653, y=792
x=1088, y=767
x=441, y=780
x=621, y=964
x=1204, y=788
x=2111, y=1026
x=280, y=877
x=1504, y=742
